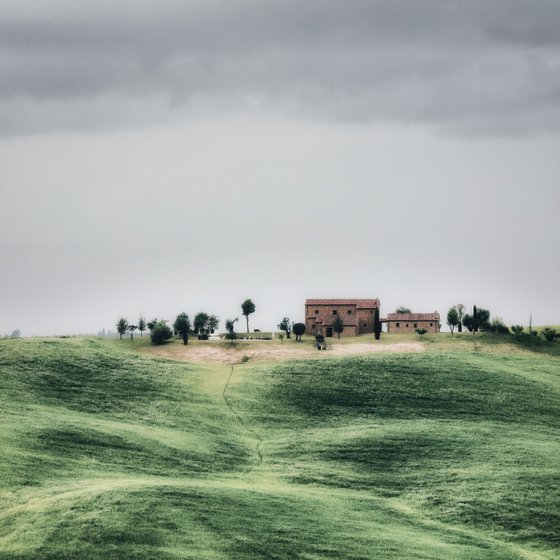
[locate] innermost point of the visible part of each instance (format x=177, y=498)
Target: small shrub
x=517, y=330
x=421, y=332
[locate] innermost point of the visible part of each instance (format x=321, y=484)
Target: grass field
x=108, y=452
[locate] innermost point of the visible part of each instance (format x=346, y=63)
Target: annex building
x=357, y=315
x=409, y=322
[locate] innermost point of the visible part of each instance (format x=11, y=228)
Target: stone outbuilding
x=409, y=322
x=357, y=315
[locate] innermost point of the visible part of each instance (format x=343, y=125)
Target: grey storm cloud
x=472, y=67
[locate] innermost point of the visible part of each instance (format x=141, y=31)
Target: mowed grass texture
x=106, y=454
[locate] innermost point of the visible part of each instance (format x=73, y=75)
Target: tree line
x=479, y=320
x=202, y=325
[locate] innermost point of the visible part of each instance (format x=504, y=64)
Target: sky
x=170, y=156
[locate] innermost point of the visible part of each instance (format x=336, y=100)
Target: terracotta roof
x=359, y=303
x=413, y=316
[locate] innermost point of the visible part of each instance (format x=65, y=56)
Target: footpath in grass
x=109, y=454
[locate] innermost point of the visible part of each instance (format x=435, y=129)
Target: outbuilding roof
x=413, y=316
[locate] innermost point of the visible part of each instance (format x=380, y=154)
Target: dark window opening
x=316, y=312
x=415, y=325
x=431, y=324
x=407, y=324
x=398, y=324
x=349, y=312
x=335, y=312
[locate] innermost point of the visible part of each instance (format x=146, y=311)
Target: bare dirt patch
x=218, y=352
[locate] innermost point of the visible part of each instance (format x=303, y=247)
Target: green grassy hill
x=109, y=454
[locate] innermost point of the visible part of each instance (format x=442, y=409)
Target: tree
x=213, y=323
x=421, y=332
x=338, y=325
x=452, y=318
x=479, y=320
x=160, y=332
x=549, y=334
x=122, y=325
x=284, y=325
x=15, y=334
x=248, y=307
x=182, y=327
x=517, y=330
x=141, y=325
x=151, y=324
x=498, y=326
x=200, y=324
x=299, y=329
x=402, y=310
x=460, y=313
x=376, y=324
x=131, y=329
x=230, y=328
x=483, y=316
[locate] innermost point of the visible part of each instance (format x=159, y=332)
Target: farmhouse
x=356, y=314
x=409, y=322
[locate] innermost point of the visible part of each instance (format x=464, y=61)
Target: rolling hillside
x=111, y=454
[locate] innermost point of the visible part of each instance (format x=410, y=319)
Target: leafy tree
x=247, y=308
x=549, y=334
x=376, y=324
x=182, y=327
x=151, y=324
x=131, y=329
x=15, y=334
x=200, y=323
x=483, y=316
x=299, y=330
x=122, y=325
x=213, y=323
x=338, y=325
x=517, y=330
x=160, y=332
x=497, y=325
x=452, y=318
x=284, y=325
x=460, y=313
x=479, y=320
x=402, y=310
x=141, y=325
x=230, y=328
x=421, y=332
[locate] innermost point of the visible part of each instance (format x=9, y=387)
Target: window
x=364, y=324
x=415, y=325
x=407, y=325
x=349, y=312
x=316, y=312
x=312, y=326
x=398, y=325
x=335, y=312
x=431, y=324
x=371, y=311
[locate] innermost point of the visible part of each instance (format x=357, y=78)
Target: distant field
x=109, y=451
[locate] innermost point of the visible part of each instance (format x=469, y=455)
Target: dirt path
x=259, y=351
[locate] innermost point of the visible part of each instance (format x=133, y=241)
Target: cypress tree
x=376, y=324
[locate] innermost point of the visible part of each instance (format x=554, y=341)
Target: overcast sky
x=159, y=157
